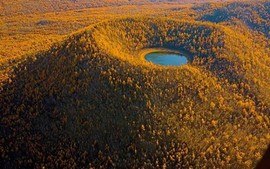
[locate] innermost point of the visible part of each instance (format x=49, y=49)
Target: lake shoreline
x=164, y=57
x=146, y=51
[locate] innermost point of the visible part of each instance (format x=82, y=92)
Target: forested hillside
x=93, y=101
x=256, y=15
x=76, y=90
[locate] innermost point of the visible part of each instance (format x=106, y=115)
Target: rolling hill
x=255, y=15
x=93, y=101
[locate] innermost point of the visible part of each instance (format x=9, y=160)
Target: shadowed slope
x=92, y=101
x=256, y=15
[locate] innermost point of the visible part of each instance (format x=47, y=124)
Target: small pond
x=166, y=58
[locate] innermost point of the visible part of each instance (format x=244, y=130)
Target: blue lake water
x=166, y=59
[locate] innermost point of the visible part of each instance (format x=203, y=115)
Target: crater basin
x=166, y=58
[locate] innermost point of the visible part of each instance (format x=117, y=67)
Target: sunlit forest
x=77, y=92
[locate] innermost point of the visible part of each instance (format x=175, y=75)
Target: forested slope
x=256, y=15
x=93, y=101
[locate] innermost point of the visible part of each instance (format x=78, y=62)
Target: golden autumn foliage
x=89, y=99
x=19, y=7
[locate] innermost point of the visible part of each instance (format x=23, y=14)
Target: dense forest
x=29, y=29
x=18, y=7
x=93, y=101
x=256, y=15
x=77, y=92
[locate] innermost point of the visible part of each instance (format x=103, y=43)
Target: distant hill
x=15, y=7
x=256, y=15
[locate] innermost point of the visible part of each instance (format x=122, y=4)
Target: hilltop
x=91, y=101
x=26, y=29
